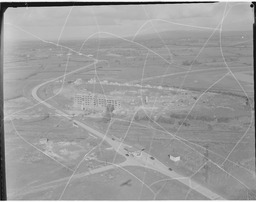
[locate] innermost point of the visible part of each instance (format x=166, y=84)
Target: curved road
x=144, y=160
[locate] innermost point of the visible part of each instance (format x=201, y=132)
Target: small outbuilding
x=43, y=140
x=174, y=158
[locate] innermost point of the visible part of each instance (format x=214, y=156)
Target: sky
x=60, y=23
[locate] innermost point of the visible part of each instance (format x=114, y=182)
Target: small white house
x=174, y=158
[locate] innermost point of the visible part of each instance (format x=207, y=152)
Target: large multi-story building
x=90, y=100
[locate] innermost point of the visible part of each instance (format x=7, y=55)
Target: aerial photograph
x=129, y=102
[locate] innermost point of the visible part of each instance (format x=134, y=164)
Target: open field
x=209, y=125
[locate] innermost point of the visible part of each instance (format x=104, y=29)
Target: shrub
x=184, y=123
x=223, y=120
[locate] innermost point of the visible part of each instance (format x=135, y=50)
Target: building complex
x=91, y=100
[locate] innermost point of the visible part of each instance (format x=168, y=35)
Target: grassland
x=214, y=137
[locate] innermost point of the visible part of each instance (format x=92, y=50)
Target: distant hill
x=192, y=33
x=229, y=37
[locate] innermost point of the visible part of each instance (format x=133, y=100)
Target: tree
x=109, y=112
x=110, y=108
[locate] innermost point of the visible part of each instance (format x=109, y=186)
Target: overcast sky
x=125, y=20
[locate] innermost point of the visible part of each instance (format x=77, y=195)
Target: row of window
x=89, y=100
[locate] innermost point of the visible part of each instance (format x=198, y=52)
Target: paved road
x=144, y=160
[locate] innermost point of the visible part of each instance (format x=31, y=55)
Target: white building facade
x=90, y=100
